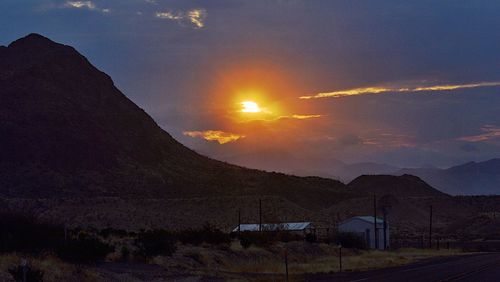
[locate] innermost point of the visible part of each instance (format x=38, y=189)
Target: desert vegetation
x=48, y=252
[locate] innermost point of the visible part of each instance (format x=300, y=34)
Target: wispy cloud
x=195, y=17
x=89, y=5
x=214, y=135
x=300, y=116
x=489, y=132
x=378, y=90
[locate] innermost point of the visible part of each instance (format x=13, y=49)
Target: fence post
x=430, y=228
x=24, y=264
x=340, y=258
x=286, y=265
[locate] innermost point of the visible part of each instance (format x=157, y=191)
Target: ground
x=226, y=262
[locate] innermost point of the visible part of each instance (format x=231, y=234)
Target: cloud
x=195, y=17
x=89, y=5
x=489, y=132
x=378, y=90
x=214, y=135
x=305, y=116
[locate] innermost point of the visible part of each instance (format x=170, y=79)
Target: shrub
x=261, y=239
x=350, y=240
x=310, y=238
x=32, y=275
x=155, y=242
x=84, y=249
x=245, y=242
x=125, y=253
x=208, y=234
x=22, y=233
x=105, y=233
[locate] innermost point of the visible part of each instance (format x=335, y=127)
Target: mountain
x=405, y=185
x=66, y=131
x=473, y=178
x=322, y=167
x=407, y=200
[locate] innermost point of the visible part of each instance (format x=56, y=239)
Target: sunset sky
x=406, y=83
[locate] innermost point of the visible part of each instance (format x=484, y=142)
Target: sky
x=297, y=83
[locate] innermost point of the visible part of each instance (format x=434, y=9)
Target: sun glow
x=250, y=107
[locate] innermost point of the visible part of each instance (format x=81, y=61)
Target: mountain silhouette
x=67, y=131
x=472, y=178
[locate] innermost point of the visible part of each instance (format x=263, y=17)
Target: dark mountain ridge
x=67, y=131
x=405, y=185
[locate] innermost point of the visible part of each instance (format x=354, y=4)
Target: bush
x=84, y=249
x=208, y=234
x=107, y=232
x=125, y=253
x=155, y=242
x=23, y=233
x=245, y=242
x=32, y=275
x=350, y=240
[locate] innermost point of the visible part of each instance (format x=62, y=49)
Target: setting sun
x=250, y=107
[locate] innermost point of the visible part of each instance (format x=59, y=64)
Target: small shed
x=364, y=226
x=285, y=226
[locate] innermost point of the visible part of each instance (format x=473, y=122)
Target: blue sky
x=174, y=59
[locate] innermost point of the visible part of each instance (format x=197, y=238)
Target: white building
x=364, y=226
x=286, y=226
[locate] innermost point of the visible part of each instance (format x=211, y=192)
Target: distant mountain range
x=473, y=178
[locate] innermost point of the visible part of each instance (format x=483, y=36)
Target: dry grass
x=53, y=268
x=303, y=258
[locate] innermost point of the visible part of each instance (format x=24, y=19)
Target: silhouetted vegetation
x=350, y=240
x=267, y=238
x=311, y=238
x=22, y=233
x=107, y=232
x=155, y=242
x=84, y=249
x=208, y=234
x=32, y=275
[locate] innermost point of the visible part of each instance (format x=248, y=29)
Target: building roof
x=369, y=219
x=288, y=226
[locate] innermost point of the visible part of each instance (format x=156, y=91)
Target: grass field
x=232, y=262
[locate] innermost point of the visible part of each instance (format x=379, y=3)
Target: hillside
x=407, y=199
x=67, y=131
x=473, y=178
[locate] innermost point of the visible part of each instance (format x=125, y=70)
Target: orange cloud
x=304, y=116
x=378, y=90
x=296, y=117
x=214, y=135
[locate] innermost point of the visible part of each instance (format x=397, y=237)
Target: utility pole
x=430, y=229
x=260, y=215
x=384, y=210
x=375, y=220
x=239, y=222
